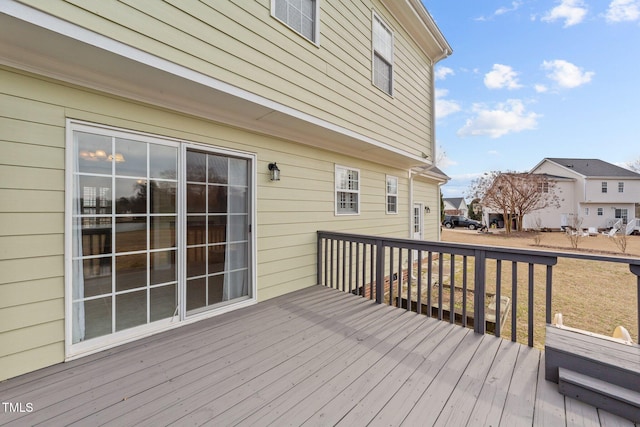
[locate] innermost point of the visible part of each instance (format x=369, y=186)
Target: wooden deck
x=313, y=357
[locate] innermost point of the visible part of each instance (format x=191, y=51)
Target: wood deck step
x=612, y=362
x=601, y=394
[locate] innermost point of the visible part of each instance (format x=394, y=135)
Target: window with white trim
x=621, y=187
x=347, y=191
x=600, y=211
x=392, y=195
x=604, y=186
x=299, y=15
x=382, y=55
x=586, y=211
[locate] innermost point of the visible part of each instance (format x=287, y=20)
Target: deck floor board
x=312, y=357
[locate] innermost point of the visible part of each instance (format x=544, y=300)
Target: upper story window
x=300, y=15
x=347, y=191
x=392, y=195
x=543, y=186
x=604, y=186
x=382, y=55
x=621, y=187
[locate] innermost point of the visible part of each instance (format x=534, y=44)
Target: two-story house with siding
x=167, y=161
x=591, y=193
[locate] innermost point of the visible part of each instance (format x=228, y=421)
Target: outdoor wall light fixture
x=274, y=171
x=427, y=209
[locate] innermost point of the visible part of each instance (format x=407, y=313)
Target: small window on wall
x=586, y=211
x=392, y=195
x=604, y=186
x=600, y=211
x=347, y=191
x=382, y=55
x=299, y=15
x=621, y=187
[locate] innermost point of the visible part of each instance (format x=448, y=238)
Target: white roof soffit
x=40, y=43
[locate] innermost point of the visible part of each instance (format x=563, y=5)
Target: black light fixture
x=275, y=172
x=427, y=210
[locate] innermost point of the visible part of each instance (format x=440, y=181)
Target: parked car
x=451, y=221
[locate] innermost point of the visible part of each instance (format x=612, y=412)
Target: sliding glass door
x=160, y=230
x=217, y=241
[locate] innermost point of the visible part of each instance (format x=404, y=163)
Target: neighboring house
x=591, y=193
x=455, y=206
x=139, y=142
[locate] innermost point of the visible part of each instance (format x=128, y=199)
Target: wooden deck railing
x=396, y=271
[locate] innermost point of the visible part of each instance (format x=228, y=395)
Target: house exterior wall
x=331, y=81
x=426, y=192
x=583, y=197
x=33, y=113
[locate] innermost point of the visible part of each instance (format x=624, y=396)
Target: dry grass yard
x=591, y=295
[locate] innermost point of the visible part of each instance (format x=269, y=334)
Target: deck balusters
x=336, y=259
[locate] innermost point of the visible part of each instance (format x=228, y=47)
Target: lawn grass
x=594, y=296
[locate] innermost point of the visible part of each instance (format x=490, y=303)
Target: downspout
x=411, y=175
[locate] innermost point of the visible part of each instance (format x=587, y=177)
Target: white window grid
x=347, y=181
x=299, y=15
x=604, y=186
x=392, y=195
x=620, y=187
x=382, y=57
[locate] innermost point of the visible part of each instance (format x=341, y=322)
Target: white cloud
x=566, y=74
x=540, y=88
x=623, y=10
x=493, y=152
x=443, y=72
x=515, y=5
x=445, y=107
x=502, y=76
x=507, y=117
x=571, y=11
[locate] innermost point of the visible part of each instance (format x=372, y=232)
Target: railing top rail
x=493, y=252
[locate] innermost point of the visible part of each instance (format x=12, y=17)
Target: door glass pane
x=131, y=309
x=163, y=161
x=218, y=169
x=131, y=233
x=163, y=232
x=217, y=199
x=131, y=271
x=238, y=172
x=163, y=302
x=217, y=229
x=163, y=196
x=134, y=158
x=131, y=196
x=196, y=198
x=196, y=166
x=163, y=267
x=92, y=153
x=196, y=293
x=97, y=317
x=196, y=230
x=97, y=276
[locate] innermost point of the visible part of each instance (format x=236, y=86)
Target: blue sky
x=531, y=79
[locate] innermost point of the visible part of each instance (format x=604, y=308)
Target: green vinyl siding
x=331, y=82
x=289, y=211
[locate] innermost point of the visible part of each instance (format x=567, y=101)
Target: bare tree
x=515, y=194
x=635, y=165
x=574, y=231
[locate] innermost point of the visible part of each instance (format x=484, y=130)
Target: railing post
x=379, y=271
x=479, y=294
x=635, y=269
